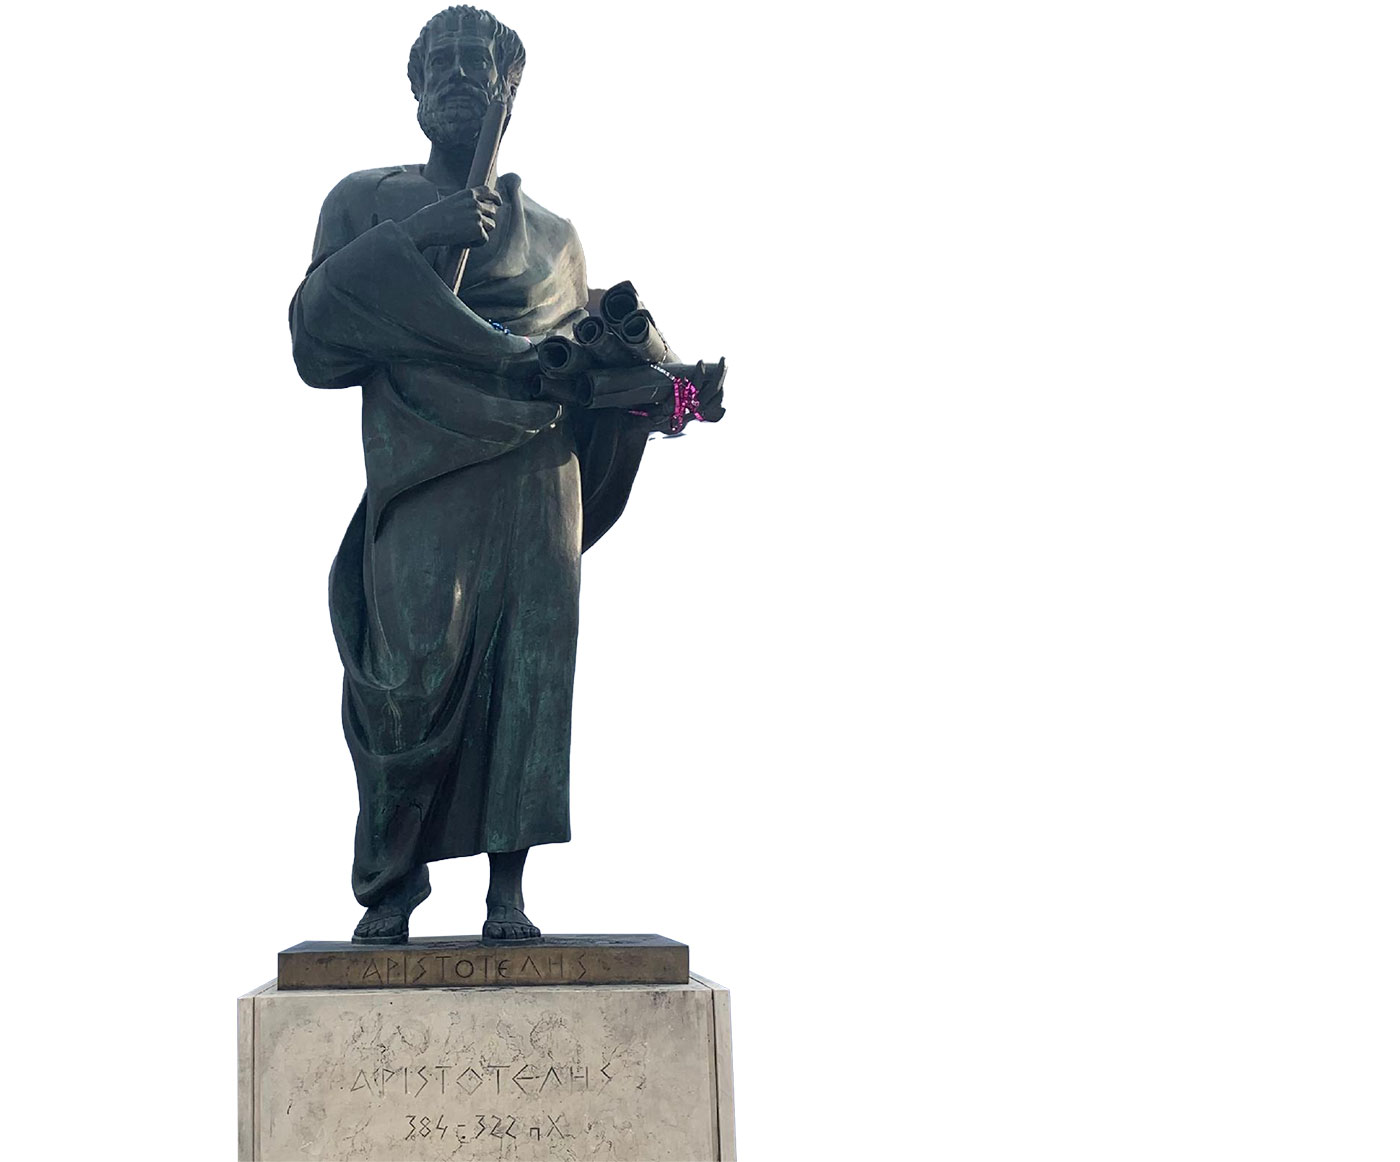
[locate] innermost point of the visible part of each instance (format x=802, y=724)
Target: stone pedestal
x=617, y=1071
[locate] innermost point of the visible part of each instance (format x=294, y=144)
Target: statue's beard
x=454, y=117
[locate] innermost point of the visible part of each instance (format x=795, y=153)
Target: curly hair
x=505, y=44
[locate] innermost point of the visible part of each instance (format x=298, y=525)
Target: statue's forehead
x=453, y=37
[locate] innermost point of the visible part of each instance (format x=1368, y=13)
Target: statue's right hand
x=465, y=218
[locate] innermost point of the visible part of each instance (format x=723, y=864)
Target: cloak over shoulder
x=374, y=311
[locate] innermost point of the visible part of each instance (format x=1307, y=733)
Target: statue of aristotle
x=455, y=592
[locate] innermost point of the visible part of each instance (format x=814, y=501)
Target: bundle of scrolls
x=620, y=359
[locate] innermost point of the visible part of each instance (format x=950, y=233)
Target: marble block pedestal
x=617, y=1071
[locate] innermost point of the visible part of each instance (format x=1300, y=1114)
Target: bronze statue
x=503, y=425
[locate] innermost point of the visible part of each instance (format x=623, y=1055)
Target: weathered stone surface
x=245, y=1071
x=468, y=962
x=547, y=1072
x=724, y=1067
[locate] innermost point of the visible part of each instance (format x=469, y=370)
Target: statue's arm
x=370, y=298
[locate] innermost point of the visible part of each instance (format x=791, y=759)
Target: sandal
x=387, y=921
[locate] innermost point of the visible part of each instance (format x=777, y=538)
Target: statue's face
x=459, y=81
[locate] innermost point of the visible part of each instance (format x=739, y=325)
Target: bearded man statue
x=454, y=595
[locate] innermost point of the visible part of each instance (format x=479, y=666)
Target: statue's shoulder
x=541, y=218
x=365, y=198
x=361, y=200
x=509, y=183
x=360, y=188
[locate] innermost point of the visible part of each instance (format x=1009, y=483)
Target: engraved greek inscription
x=372, y=970
x=535, y=1077
x=389, y=971
x=554, y=966
x=502, y=968
x=530, y=966
x=535, y=1133
x=467, y=973
x=422, y=972
x=554, y=1127
x=442, y=966
x=582, y=972
x=480, y=1121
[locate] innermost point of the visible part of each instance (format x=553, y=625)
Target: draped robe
x=454, y=596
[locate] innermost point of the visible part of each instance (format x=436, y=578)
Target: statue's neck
x=449, y=166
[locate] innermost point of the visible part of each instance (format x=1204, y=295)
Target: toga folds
x=454, y=596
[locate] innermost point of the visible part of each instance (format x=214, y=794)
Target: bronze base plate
x=470, y=962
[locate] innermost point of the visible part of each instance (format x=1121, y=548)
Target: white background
x=1001, y=701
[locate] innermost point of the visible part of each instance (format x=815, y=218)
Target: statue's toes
x=509, y=930
x=385, y=933
x=382, y=929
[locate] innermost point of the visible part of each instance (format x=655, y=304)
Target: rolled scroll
x=572, y=392
x=638, y=331
x=638, y=386
x=649, y=385
x=562, y=359
x=561, y=363
x=605, y=348
x=483, y=170
x=618, y=302
x=669, y=395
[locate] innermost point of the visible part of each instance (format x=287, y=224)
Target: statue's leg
x=505, y=899
x=386, y=922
